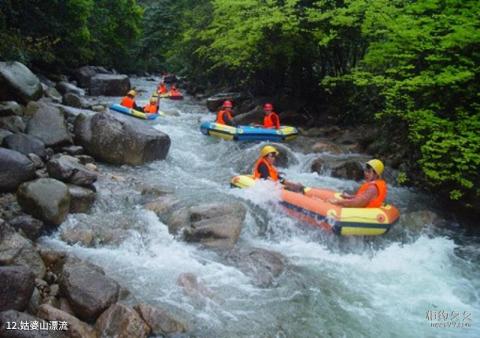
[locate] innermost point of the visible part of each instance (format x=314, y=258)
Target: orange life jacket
x=162, y=89
x=381, y=187
x=271, y=121
x=220, y=115
x=128, y=102
x=150, y=108
x=272, y=171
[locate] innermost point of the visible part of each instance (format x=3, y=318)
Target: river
x=402, y=284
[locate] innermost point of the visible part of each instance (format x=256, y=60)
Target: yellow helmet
x=377, y=166
x=267, y=150
x=153, y=99
x=132, y=92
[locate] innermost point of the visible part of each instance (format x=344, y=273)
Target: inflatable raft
x=313, y=209
x=248, y=133
x=135, y=113
x=171, y=97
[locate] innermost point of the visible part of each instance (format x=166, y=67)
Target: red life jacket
x=150, y=108
x=381, y=187
x=271, y=121
x=272, y=171
x=162, y=89
x=128, y=102
x=220, y=116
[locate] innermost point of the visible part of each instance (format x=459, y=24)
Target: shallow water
x=398, y=285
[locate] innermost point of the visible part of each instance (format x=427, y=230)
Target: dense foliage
x=411, y=67
x=60, y=34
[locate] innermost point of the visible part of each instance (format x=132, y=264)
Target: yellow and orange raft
x=313, y=209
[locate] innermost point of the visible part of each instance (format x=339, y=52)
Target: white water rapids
x=391, y=286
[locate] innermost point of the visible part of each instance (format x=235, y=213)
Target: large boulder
x=122, y=322
x=52, y=93
x=8, y=108
x=253, y=116
x=17, y=250
x=159, y=320
x=24, y=144
x=215, y=102
x=85, y=73
x=46, y=199
x=15, y=168
x=76, y=328
x=120, y=140
x=48, y=124
x=69, y=169
x=16, y=287
x=87, y=289
x=109, y=85
x=216, y=225
x=71, y=113
x=19, y=83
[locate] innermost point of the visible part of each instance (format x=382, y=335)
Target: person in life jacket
x=371, y=194
x=152, y=106
x=224, y=116
x=174, y=91
x=162, y=88
x=265, y=169
x=129, y=101
x=271, y=119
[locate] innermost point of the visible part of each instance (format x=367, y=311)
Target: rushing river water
x=403, y=284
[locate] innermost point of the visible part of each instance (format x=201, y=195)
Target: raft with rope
x=312, y=208
x=248, y=133
x=132, y=112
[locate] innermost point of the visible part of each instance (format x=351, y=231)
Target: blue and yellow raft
x=132, y=112
x=248, y=133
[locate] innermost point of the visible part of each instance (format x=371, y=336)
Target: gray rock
x=4, y=133
x=109, y=85
x=78, y=234
x=16, y=287
x=15, y=168
x=37, y=161
x=31, y=227
x=18, y=82
x=68, y=169
x=260, y=264
x=326, y=147
x=76, y=328
x=85, y=73
x=53, y=93
x=81, y=199
x=8, y=108
x=73, y=100
x=121, y=321
x=253, y=116
x=73, y=150
x=12, y=316
x=85, y=159
x=214, y=225
x=34, y=301
x=24, y=144
x=159, y=320
x=64, y=87
x=88, y=291
x=163, y=204
x=16, y=250
x=72, y=113
x=49, y=125
x=120, y=140
x=13, y=123
x=46, y=199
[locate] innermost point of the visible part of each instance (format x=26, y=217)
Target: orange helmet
x=227, y=104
